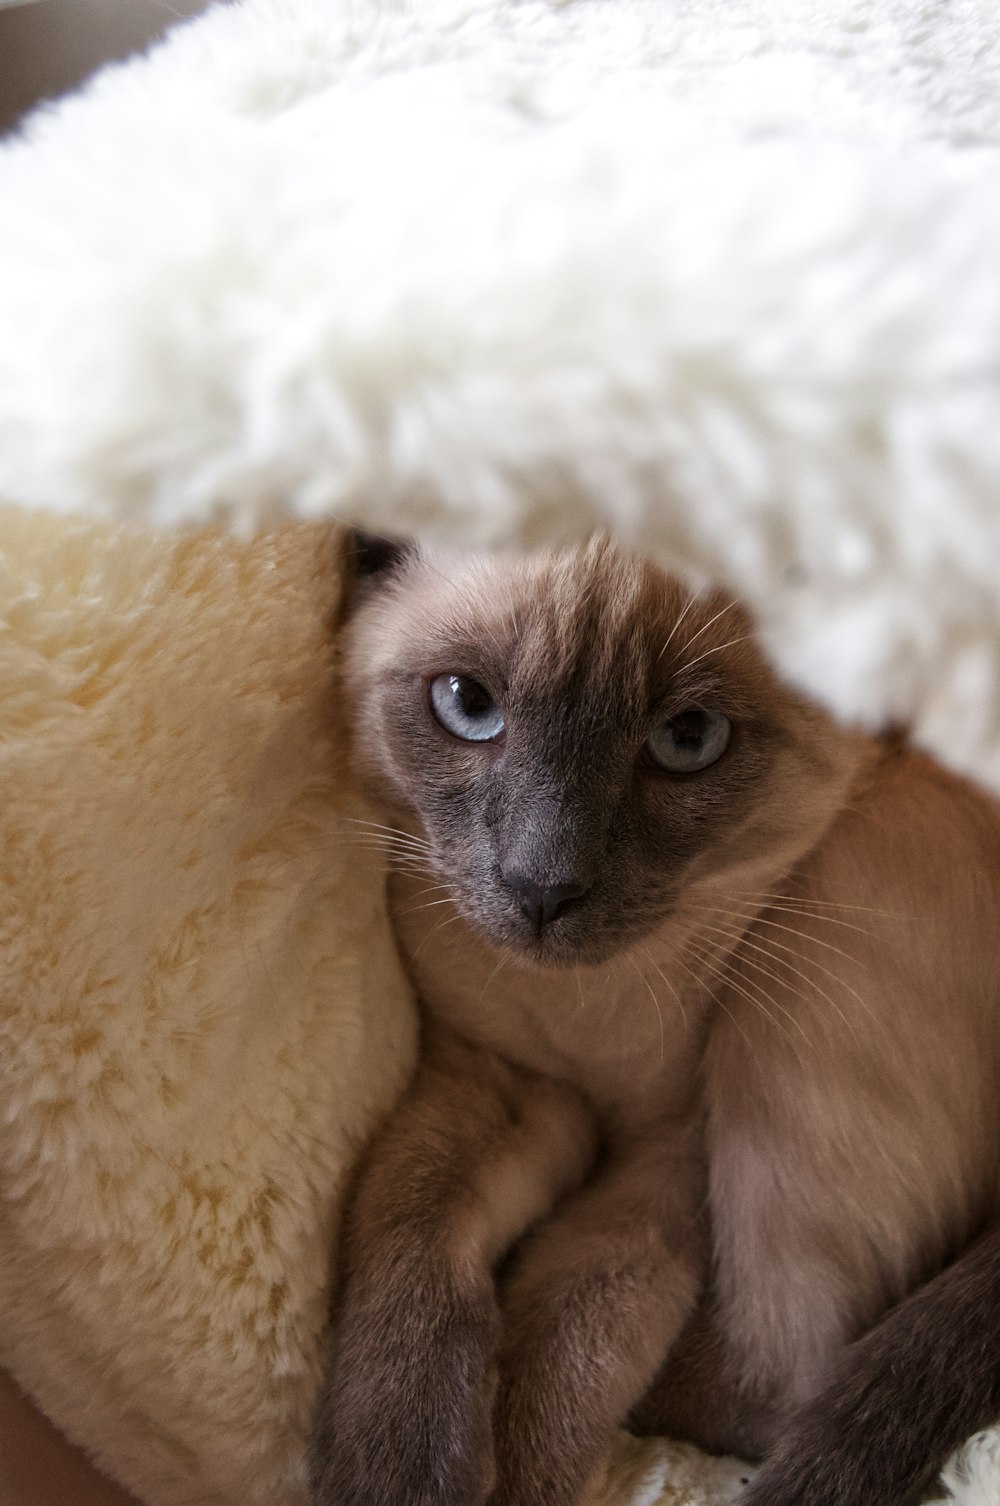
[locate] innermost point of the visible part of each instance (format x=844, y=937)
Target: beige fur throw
x=201, y=1014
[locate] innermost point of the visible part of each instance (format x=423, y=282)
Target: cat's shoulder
x=912, y=840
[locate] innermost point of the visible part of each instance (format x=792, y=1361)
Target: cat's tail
x=908, y=1393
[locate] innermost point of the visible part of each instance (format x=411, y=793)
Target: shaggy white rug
x=720, y=274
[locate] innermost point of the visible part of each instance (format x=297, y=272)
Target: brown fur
x=901, y=1398
x=734, y=1102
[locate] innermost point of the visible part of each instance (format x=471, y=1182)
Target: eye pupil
x=465, y=708
x=470, y=696
x=688, y=729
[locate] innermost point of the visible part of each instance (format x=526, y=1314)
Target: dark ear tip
x=372, y=554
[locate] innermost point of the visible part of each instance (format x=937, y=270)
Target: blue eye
x=690, y=741
x=465, y=708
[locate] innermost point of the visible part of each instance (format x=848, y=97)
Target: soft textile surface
x=200, y=1011
x=720, y=274
x=655, y=1473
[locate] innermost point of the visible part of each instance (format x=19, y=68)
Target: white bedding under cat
x=721, y=275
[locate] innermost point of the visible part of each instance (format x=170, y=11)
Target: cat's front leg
x=475, y=1153
x=594, y=1302
x=405, y=1418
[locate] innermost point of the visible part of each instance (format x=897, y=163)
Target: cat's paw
x=408, y=1422
x=417, y=1459
x=401, y=1476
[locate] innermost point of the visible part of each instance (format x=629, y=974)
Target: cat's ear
x=372, y=556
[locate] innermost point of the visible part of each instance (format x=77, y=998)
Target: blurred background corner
x=49, y=46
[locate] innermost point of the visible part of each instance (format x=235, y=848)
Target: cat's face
x=589, y=749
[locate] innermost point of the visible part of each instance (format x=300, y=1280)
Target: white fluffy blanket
x=719, y=274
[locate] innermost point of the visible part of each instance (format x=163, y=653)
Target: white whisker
x=656, y=1003
x=494, y=974
x=668, y=984
x=396, y=831
x=739, y=954
x=427, y=905
x=717, y=649
x=823, y=904
x=449, y=921
x=724, y=975
x=700, y=983
x=710, y=623
x=806, y=936
x=670, y=636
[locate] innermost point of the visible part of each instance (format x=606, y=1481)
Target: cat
x=708, y=1078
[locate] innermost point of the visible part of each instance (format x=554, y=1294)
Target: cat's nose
x=541, y=903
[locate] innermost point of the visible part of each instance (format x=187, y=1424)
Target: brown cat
x=710, y=1035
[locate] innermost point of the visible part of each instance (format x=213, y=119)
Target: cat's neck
x=627, y=1032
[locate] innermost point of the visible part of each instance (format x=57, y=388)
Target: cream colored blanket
x=201, y=1014
x=721, y=276
x=201, y=1017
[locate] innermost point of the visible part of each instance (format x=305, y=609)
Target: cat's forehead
x=592, y=615
x=557, y=597
x=587, y=617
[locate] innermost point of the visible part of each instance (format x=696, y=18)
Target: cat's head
x=589, y=747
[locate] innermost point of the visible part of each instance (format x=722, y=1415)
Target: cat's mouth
x=561, y=944
x=554, y=931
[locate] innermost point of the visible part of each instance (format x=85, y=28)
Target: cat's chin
x=565, y=959
x=555, y=950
